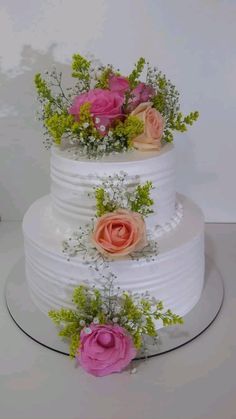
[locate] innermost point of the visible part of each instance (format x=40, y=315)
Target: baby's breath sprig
x=80, y=244
x=115, y=193
x=148, y=252
x=108, y=304
x=166, y=101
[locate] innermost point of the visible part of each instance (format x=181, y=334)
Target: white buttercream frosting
x=172, y=224
x=73, y=178
x=176, y=276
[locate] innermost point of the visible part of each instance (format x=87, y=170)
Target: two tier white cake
x=175, y=276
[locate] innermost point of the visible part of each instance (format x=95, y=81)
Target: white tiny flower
x=102, y=128
x=117, y=309
x=85, y=124
x=96, y=320
x=133, y=371
x=115, y=319
x=82, y=323
x=87, y=330
x=97, y=120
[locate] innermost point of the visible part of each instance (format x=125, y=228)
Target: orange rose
x=150, y=139
x=119, y=233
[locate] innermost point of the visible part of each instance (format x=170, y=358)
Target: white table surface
x=196, y=381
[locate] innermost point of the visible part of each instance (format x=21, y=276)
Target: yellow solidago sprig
x=81, y=71
x=109, y=305
x=54, y=107
x=86, y=124
x=58, y=124
x=116, y=193
x=130, y=128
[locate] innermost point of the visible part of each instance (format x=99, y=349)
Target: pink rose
x=106, y=107
x=141, y=93
x=118, y=84
x=150, y=139
x=105, y=349
x=119, y=233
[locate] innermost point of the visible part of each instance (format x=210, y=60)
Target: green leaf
x=143, y=201
x=70, y=329
x=74, y=345
x=102, y=207
x=63, y=315
x=130, y=128
x=80, y=68
x=58, y=124
x=136, y=73
x=42, y=88
x=103, y=82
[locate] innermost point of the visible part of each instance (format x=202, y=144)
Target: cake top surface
x=126, y=158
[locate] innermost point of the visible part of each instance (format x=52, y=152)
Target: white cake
x=176, y=276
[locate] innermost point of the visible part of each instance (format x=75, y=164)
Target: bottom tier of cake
x=176, y=276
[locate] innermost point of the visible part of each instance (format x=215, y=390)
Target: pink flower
x=141, y=93
x=150, y=139
x=119, y=233
x=106, y=107
x=105, y=349
x=118, y=84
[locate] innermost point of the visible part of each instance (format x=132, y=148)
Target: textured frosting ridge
x=72, y=180
x=175, y=276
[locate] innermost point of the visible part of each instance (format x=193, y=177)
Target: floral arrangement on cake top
x=105, y=111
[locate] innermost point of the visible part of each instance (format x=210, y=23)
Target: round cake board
x=41, y=329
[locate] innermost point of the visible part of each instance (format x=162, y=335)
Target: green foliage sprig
x=136, y=73
x=130, y=128
x=142, y=201
x=59, y=124
x=103, y=81
x=115, y=193
x=80, y=69
x=111, y=305
x=103, y=205
x=54, y=115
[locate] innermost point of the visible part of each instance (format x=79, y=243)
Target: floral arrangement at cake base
x=108, y=326
x=105, y=111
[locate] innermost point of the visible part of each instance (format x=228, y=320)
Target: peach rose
x=150, y=139
x=119, y=233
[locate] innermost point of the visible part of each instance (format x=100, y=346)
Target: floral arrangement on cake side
x=118, y=229
x=105, y=111
x=109, y=326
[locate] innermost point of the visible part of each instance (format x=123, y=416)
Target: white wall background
x=193, y=41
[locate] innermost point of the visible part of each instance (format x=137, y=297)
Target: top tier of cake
x=72, y=179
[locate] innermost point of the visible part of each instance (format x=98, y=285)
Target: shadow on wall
x=24, y=162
